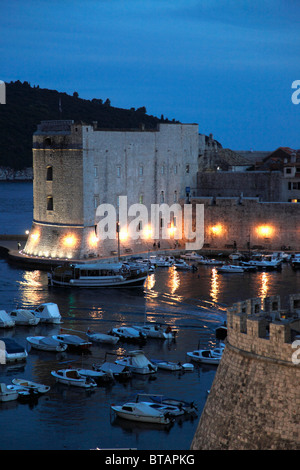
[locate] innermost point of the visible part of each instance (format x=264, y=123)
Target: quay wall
x=254, y=400
x=247, y=222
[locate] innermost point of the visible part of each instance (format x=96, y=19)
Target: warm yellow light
x=265, y=230
x=123, y=234
x=147, y=232
x=69, y=240
x=93, y=240
x=172, y=230
x=216, y=229
x=35, y=236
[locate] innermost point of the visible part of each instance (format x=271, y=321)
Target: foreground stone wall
x=254, y=400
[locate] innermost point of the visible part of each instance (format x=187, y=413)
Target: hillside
x=26, y=106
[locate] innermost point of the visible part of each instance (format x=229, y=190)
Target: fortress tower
x=254, y=400
x=77, y=167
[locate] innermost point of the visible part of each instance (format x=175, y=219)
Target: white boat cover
x=5, y=318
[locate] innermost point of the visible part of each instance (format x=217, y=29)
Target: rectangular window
x=95, y=171
x=187, y=168
x=141, y=199
x=118, y=171
x=49, y=203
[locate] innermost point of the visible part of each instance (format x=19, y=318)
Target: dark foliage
x=27, y=106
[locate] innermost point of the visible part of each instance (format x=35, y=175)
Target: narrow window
x=49, y=176
x=118, y=171
x=95, y=171
x=141, y=170
x=162, y=196
x=141, y=199
x=187, y=168
x=175, y=196
x=49, y=203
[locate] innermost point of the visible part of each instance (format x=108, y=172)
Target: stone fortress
x=254, y=400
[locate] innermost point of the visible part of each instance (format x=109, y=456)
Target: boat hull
x=138, y=417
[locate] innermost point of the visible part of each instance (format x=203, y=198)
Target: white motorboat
x=230, y=268
x=102, y=337
x=29, y=385
x=267, y=262
x=14, y=352
x=6, y=394
x=128, y=333
x=72, y=377
x=206, y=356
x=46, y=343
x=156, y=330
x=118, y=371
x=48, y=312
x=235, y=256
x=23, y=317
x=160, y=261
x=137, y=363
x=73, y=342
x=141, y=412
x=167, y=365
x=186, y=407
x=98, y=275
x=99, y=376
x=192, y=255
x=5, y=320
x=210, y=262
x=181, y=265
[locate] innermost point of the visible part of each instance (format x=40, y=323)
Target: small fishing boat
x=210, y=262
x=192, y=255
x=48, y=312
x=156, y=330
x=141, y=412
x=118, y=371
x=137, y=362
x=181, y=265
x=73, y=342
x=14, y=352
x=99, y=376
x=160, y=261
x=72, y=377
x=185, y=406
x=29, y=385
x=46, y=343
x=6, y=394
x=5, y=320
x=167, y=365
x=128, y=333
x=230, y=268
x=24, y=394
x=23, y=317
x=206, y=356
x=102, y=337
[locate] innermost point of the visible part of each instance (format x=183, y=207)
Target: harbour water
x=71, y=418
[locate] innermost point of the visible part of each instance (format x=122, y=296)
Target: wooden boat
x=141, y=412
x=206, y=356
x=6, y=320
x=46, y=343
x=72, y=377
x=23, y=317
x=137, y=363
x=97, y=275
x=6, y=394
x=102, y=337
x=48, y=312
x=29, y=385
x=14, y=352
x=73, y=342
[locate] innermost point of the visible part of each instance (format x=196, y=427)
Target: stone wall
x=264, y=225
x=254, y=400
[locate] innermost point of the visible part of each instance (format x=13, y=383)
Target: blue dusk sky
x=227, y=65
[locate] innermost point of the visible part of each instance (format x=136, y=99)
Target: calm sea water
x=71, y=418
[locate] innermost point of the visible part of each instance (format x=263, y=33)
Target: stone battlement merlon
x=268, y=331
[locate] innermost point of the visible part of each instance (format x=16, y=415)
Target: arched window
x=49, y=176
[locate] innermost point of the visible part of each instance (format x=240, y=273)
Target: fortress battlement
x=264, y=328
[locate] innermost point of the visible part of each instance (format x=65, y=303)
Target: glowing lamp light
x=172, y=230
x=123, y=234
x=265, y=231
x=93, y=240
x=69, y=241
x=216, y=229
x=147, y=232
x=35, y=236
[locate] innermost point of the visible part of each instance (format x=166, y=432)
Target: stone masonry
x=254, y=400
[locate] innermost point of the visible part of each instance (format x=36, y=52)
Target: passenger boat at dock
x=97, y=275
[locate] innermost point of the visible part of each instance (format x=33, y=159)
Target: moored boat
x=156, y=330
x=141, y=412
x=137, y=362
x=14, y=352
x=29, y=385
x=48, y=312
x=181, y=265
x=101, y=337
x=167, y=365
x=5, y=320
x=73, y=342
x=6, y=394
x=128, y=333
x=187, y=407
x=46, y=343
x=206, y=356
x=118, y=371
x=230, y=268
x=96, y=275
x=23, y=317
x=72, y=377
